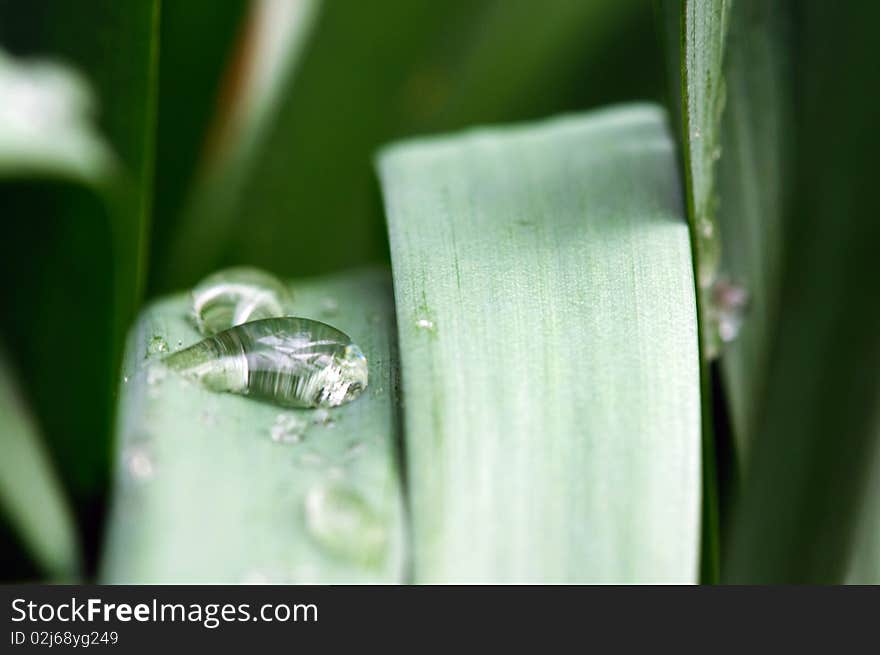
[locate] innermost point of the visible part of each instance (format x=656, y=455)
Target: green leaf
x=203, y=493
x=751, y=187
x=269, y=49
x=811, y=458
x=864, y=562
x=548, y=338
x=199, y=41
x=30, y=495
x=74, y=296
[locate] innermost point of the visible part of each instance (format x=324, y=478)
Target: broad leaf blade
x=545, y=304
x=752, y=183
x=30, y=494
x=811, y=457
x=203, y=493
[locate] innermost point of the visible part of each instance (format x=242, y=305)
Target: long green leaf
x=811, y=456
x=864, y=562
x=200, y=41
x=545, y=304
x=751, y=187
x=73, y=297
x=203, y=493
x=30, y=495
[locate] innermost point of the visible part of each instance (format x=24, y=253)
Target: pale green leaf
x=203, y=493
x=30, y=495
x=547, y=320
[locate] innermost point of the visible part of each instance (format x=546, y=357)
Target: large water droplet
x=342, y=522
x=293, y=362
x=237, y=295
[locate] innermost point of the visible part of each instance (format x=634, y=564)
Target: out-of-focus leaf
x=198, y=43
x=203, y=492
x=45, y=123
x=864, y=563
x=30, y=495
x=751, y=185
x=68, y=302
x=545, y=305
x=268, y=50
x=375, y=71
x=810, y=458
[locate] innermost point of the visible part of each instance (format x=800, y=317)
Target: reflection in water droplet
x=726, y=309
x=237, y=295
x=125, y=379
x=139, y=463
x=425, y=324
x=156, y=346
x=342, y=522
x=288, y=428
x=293, y=362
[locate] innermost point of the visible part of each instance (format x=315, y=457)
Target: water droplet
x=726, y=309
x=237, y=295
x=425, y=324
x=139, y=463
x=125, y=379
x=288, y=428
x=293, y=362
x=355, y=450
x=329, y=306
x=342, y=522
x=155, y=374
x=156, y=346
x=311, y=460
x=698, y=134
x=322, y=417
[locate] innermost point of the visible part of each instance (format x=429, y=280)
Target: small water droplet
x=155, y=374
x=288, y=428
x=311, y=460
x=293, y=362
x=355, y=450
x=322, y=417
x=125, y=379
x=726, y=309
x=698, y=134
x=341, y=521
x=425, y=324
x=329, y=306
x=139, y=463
x=237, y=295
x=156, y=346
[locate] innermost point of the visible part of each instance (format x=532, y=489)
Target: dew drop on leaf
x=292, y=362
x=340, y=521
x=237, y=295
x=288, y=428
